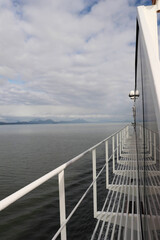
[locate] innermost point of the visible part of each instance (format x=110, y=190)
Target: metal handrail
x=117, y=140
x=60, y=172
x=23, y=191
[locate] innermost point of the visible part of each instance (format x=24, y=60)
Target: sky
x=67, y=59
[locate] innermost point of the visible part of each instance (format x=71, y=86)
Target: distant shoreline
x=43, y=122
x=38, y=122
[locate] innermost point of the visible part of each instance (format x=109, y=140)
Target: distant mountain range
x=48, y=121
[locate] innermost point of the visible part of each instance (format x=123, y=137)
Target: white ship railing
x=124, y=183
x=60, y=172
x=122, y=209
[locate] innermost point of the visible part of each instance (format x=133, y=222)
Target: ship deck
x=122, y=215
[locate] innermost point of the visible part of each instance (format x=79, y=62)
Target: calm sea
x=29, y=151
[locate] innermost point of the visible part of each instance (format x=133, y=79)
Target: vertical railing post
x=94, y=183
x=107, y=173
x=150, y=142
x=140, y=131
x=154, y=147
x=122, y=138
x=113, y=156
x=62, y=204
x=126, y=132
x=117, y=148
x=127, y=136
x=147, y=139
x=120, y=146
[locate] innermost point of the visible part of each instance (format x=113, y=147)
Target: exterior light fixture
x=134, y=94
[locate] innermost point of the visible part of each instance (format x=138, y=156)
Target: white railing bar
x=101, y=230
x=152, y=169
x=128, y=194
x=146, y=213
x=151, y=217
x=113, y=151
x=101, y=215
x=117, y=146
x=138, y=204
x=152, y=179
x=155, y=206
x=133, y=197
x=150, y=142
x=156, y=176
x=153, y=199
x=147, y=140
x=125, y=189
x=154, y=149
x=106, y=156
x=77, y=205
x=99, y=236
x=118, y=207
x=111, y=212
x=23, y=191
x=120, y=141
x=149, y=230
x=150, y=130
x=138, y=179
x=62, y=204
x=113, y=206
x=95, y=182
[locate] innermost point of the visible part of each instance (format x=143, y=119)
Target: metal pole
x=155, y=147
x=107, y=173
x=120, y=150
x=147, y=135
x=117, y=149
x=62, y=204
x=140, y=131
x=113, y=153
x=122, y=139
x=127, y=132
x=150, y=143
x=94, y=183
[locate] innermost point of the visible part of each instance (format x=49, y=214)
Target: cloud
x=76, y=57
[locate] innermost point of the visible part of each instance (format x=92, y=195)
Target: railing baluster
x=140, y=132
x=62, y=204
x=95, y=183
x=122, y=141
x=60, y=172
x=107, y=173
x=127, y=131
x=150, y=139
x=117, y=148
x=113, y=146
x=120, y=138
x=154, y=147
x=147, y=135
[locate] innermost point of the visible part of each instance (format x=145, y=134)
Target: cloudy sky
x=63, y=59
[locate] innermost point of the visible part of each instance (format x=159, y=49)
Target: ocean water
x=27, y=152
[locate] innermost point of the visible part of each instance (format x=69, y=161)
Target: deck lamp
x=134, y=94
